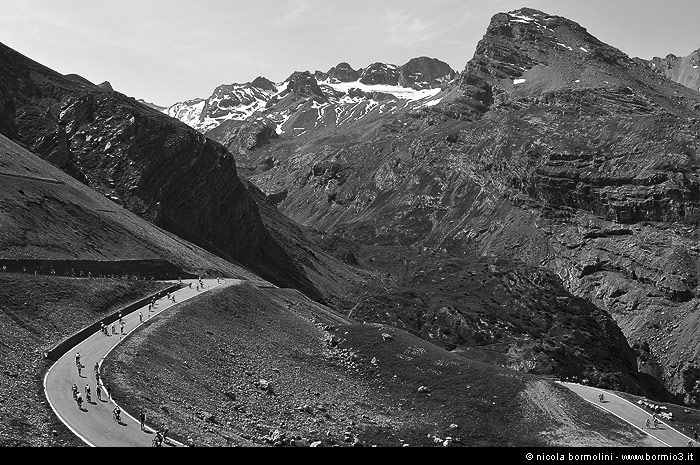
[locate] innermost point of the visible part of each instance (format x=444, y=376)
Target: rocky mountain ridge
x=683, y=70
x=387, y=87
x=532, y=154
x=551, y=147
x=153, y=165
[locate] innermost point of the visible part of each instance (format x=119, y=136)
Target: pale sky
x=165, y=51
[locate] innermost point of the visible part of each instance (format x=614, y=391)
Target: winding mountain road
x=632, y=414
x=93, y=423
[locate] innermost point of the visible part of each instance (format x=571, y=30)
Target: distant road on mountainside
x=632, y=414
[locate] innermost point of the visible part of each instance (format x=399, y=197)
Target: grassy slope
x=36, y=312
x=195, y=370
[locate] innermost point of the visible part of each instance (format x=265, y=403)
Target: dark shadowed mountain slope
x=551, y=147
x=153, y=165
x=48, y=217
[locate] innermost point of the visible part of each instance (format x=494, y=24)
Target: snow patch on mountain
x=404, y=93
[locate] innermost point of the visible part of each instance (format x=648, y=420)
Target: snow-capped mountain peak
x=380, y=87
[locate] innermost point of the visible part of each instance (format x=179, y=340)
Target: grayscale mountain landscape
x=413, y=255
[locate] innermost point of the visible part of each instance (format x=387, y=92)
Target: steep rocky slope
x=550, y=147
x=47, y=216
x=154, y=166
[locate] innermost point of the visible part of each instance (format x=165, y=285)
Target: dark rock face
x=380, y=73
x=303, y=84
x=239, y=137
x=263, y=83
x=343, y=72
x=105, y=86
x=425, y=73
x=155, y=166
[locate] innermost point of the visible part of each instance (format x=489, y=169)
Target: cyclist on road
x=74, y=388
x=79, y=400
x=117, y=412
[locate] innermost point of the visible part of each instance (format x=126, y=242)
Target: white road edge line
x=647, y=413
x=109, y=394
x=46, y=394
x=624, y=419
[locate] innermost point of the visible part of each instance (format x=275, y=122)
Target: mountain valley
x=530, y=218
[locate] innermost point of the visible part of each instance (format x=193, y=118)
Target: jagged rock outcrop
x=264, y=84
x=425, y=73
x=342, y=72
x=380, y=73
x=303, y=84
x=683, y=70
x=106, y=86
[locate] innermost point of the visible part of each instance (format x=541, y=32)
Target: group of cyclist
x=161, y=436
x=654, y=421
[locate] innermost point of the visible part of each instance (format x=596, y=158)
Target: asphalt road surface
x=94, y=423
x=665, y=434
